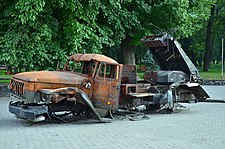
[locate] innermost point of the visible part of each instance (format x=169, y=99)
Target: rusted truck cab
x=86, y=82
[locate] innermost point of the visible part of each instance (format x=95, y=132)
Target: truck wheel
x=88, y=114
x=169, y=110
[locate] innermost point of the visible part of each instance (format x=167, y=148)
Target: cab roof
x=89, y=57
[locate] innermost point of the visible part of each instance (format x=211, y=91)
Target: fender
x=56, y=95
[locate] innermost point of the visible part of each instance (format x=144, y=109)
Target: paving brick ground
x=200, y=126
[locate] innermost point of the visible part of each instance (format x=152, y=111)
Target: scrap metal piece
x=169, y=55
x=71, y=91
x=196, y=89
x=27, y=112
x=163, y=76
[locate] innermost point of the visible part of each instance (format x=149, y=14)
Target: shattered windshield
x=73, y=66
x=84, y=67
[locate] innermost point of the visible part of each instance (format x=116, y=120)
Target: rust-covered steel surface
x=50, y=77
x=27, y=85
x=96, y=84
x=55, y=93
x=106, y=90
x=89, y=57
x=155, y=41
x=92, y=82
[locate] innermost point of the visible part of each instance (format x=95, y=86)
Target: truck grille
x=17, y=88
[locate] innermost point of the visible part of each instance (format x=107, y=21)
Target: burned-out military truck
x=95, y=85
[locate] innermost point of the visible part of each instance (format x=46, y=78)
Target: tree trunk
x=200, y=60
x=208, y=43
x=8, y=69
x=119, y=55
x=128, y=51
x=190, y=52
x=16, y=70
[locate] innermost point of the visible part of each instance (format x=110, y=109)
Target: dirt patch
x=4, y=91
x=213, y=82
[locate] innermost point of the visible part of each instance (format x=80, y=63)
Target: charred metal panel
x=170, y=56
x=165, y=76
x=26, y=85
x=106, y=89
x=128, y=88
x=50, y=77
x=196, y=89
x=129, y=74
x=156, y=41
x=17, y=87
x=27, y=112
x=55, y=97
x=89, y=57
x=106, y=93
x=30, y=91
x=22, y=90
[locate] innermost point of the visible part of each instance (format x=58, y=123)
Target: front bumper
x=27, y=112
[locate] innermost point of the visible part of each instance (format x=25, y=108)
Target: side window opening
x=88, y=67
x=108, y=71
x=83, y=67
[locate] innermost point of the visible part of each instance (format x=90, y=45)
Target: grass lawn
x=6, y=77
x=3, y=74
x=4, y=81
x=214, y=73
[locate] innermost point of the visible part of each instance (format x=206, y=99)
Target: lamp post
x=222, y=60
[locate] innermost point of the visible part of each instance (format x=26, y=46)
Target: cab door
x=106, y=88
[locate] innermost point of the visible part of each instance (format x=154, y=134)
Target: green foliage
x=149, y=61
x=4, y=81
x=214, y=73
x=198, y=39
x=30, y=40
x=181, y=18
x=28, y=10
x=36, y=34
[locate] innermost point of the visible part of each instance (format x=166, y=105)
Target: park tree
x=39, y=33
x=208, y=43
x=29, y=39
x=211, y=35
x=179, y=18
x=218, y=31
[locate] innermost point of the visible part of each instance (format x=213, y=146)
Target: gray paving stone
x=200, y=126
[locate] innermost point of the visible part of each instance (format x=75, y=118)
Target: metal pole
x=222, y=60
